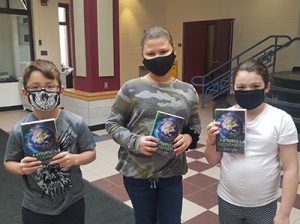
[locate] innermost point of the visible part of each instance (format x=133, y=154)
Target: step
x=287, y=79
x=292, y=108
x=285, y=94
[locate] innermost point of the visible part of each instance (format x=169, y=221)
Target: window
x=63, y=19
x=16, y=38
x=14, y=4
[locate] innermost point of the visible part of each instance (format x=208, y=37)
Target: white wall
x=135, y=16
x=254, y=20
x=79, y=36
x=45, y=28
x=10, y=93
x=105, y=38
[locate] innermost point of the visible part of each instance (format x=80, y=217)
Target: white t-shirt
x=252, y=179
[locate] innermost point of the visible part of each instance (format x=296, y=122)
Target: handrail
x=221, y=84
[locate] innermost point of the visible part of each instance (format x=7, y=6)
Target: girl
x=249, y=183
x=153, y=180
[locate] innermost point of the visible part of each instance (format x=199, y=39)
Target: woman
x=153, y=180
x=249, y=182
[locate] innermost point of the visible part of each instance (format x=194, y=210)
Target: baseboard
x=17, y=107
x=97, y=127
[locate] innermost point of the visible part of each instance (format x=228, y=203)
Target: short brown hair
x=47, y=68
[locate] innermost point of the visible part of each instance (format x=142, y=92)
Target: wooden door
x=206, y=45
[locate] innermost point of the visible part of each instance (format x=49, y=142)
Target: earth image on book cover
x=166, y=128
x=231, y=126
x=40, y=139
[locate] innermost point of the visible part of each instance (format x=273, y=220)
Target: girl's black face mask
x=249, y=99
x=160, y=65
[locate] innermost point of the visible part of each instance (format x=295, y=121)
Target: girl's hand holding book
x=181, y=143
x=148, y=145
x=213, y=129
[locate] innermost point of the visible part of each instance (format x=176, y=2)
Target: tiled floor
x=200, y=183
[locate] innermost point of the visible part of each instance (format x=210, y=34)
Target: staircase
x=285, y=88
x=285, y=94
x=213, y=87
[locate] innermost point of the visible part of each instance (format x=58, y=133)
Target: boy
x=53, y=193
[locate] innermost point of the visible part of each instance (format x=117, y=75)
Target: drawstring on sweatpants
x=153, y=182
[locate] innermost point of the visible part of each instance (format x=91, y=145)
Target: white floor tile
x=213, y=172
x=190, y=210
x=190, y=173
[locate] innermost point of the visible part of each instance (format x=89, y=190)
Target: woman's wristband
x=194, y=134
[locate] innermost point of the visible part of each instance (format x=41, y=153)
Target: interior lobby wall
x=45, y=31
x=135, y=16
x=254, y=20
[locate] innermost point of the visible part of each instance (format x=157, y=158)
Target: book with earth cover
x=40, y=140
x=166, y=128
x=232, y=130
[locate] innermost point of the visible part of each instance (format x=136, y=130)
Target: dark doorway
x=206, y=45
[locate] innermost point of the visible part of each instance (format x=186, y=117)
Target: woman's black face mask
x=249, y=99
x=160, y=65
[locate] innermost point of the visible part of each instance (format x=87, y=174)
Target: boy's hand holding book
x=65, y=159
x=29, y=164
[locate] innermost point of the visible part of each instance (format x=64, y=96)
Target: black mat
x=101, y=208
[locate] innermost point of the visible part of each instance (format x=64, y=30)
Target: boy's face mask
x=44, y=100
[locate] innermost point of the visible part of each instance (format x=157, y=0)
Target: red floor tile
x=119, y=193
x=200, y=145
x=189, y=188
x=201, y=180
x=199, y=166
x=212, y=188
x=104, y=184
x=204, y=198
x=116, y=179
x=195, y=154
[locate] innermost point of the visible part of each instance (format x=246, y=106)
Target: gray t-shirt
x=51, y=189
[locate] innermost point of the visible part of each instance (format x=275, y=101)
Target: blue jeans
x=160, y=205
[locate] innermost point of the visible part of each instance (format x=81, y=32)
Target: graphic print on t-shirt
x=53, y=180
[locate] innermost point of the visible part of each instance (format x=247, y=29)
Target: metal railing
x=214, y=87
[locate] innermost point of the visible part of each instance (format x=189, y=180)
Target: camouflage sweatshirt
x=132, y=116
